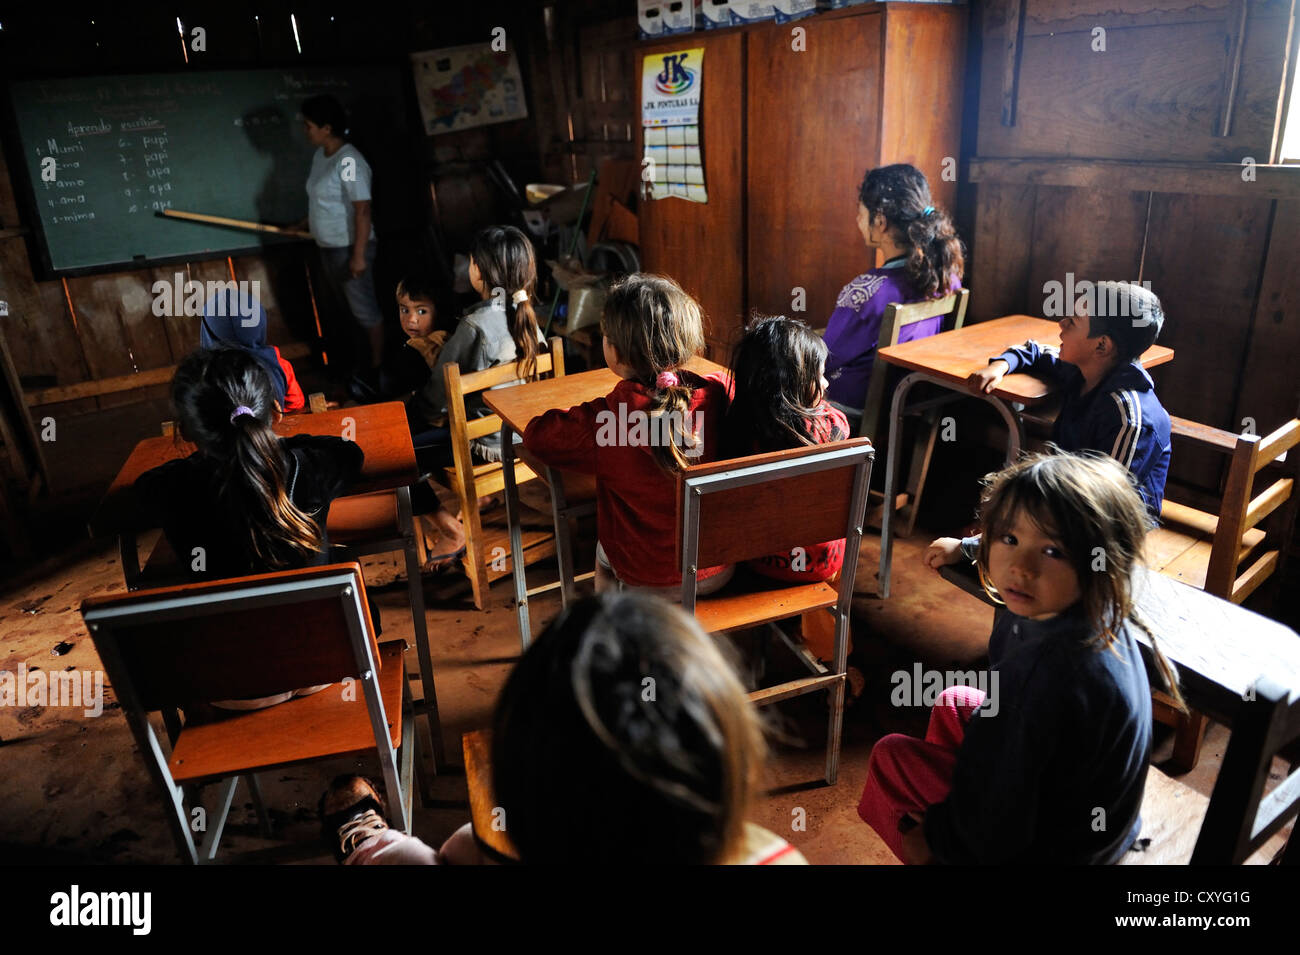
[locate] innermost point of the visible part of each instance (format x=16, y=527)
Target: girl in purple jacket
x=924, y=260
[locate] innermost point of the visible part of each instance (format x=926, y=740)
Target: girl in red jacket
x=636, y=439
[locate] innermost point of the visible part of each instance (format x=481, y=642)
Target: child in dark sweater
x=247, y=501
x=1048, y=765
x=406, y=369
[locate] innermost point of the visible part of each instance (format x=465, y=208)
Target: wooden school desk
x=947, y=360
x=383, y=435
x=571, y=493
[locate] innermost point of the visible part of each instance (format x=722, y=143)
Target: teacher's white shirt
x=335, y=182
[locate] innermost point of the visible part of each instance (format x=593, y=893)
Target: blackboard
x=223, y=143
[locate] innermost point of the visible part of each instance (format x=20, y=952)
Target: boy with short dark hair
x=408, y=368
x=1108, y=401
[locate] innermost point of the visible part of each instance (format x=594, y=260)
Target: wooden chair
x=737, y=510
x=487, y=551
x=169, y=648
x=1241, y=818
x=492, y=839
x=897, y=317
x=358, y=525
x=1207, y=551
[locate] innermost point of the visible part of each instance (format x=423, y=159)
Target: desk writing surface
x=1220, y=648
x=520, y=404
x=381, y=431
x=954, y=355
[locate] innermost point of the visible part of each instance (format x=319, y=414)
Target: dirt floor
x=75, y=789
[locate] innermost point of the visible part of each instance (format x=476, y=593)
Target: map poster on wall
x=673, y=163
x=463, y=86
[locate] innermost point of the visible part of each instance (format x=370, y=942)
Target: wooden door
x=813, y=117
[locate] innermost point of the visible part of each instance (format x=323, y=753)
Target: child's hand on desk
x=944, y=550
x=986, y=379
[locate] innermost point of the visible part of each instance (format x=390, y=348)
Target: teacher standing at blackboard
x=338, y=214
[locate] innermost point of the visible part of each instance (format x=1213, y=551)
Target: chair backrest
x=1243, y=509
x=461, y=385
x=897, y=317
x=240, y=638
x=749, y=507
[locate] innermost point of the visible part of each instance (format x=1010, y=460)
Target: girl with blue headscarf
x=237, y=319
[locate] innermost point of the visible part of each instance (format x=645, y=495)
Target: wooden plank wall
x=823, y=104
x=1213, y=246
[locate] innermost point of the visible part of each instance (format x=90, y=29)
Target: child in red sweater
x=655, y=422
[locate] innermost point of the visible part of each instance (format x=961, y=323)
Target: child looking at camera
x=1027, y=778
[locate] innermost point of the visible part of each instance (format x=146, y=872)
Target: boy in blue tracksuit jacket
x=1108, y=401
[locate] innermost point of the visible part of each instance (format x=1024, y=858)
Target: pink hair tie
x=666, y=379
x=240, y=411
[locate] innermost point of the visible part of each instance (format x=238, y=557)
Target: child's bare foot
x=857, y=682
x=448, y=548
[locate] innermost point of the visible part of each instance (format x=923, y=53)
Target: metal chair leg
x=563, y=542
x=922, y=454
x=415, y=589
x=516, y=536
x=255, y=790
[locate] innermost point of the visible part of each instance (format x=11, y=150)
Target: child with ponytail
x=246, y=501
x=923, y=260
x=659, y=418
x=502, y=327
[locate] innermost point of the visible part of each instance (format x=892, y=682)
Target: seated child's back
x=658, y=419
x=780, y=403
x=234, y=319
x=246, y=501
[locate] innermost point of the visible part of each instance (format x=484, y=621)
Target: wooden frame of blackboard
x=25, y=191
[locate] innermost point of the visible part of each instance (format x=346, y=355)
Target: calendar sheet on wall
x=673, y=162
